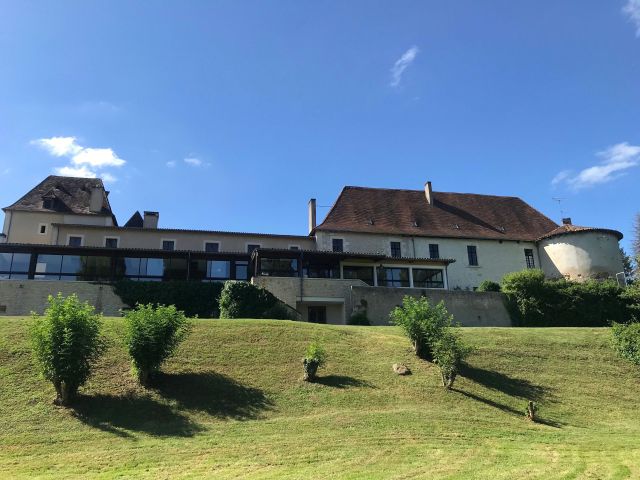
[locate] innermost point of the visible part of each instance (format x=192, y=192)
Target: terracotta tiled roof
x=568, y=229
x=452, y=215
x=72, y=195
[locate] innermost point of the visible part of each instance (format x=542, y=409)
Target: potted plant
x=314, y=358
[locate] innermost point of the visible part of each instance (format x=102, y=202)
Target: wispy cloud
x=193, y=162
x=632, y=10
x=402, y=64
x=615, y=160
x=171, y=164
x=5, y=171
x=83, y=161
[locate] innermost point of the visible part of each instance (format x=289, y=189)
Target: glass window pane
x=5, y=261
x=20, y=262
x=393, y=277
x=197, y=269
x=242, y=271
x=72, y=264
x=153, y=266
x=132, y=266
x=175, y=268
x=279, y=267
x=18, y=276
x=359, y=273
x=219, y=269
x=49, y=263
x=427, y=278
x=211, y=247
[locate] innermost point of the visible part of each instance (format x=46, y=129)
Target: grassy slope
x=231, y=404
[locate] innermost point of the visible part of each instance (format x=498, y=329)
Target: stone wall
x=470, y=309
x=21, y=297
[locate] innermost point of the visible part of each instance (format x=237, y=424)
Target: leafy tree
x=245, y=300
x=489, y=286
x=152, y=336
x=315, y=357
x=66, y=343
x=626, y=341
x=636, y=237
x=629, y=268
x=422, y=322
x=449, y=352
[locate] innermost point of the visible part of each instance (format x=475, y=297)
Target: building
x=372, y=240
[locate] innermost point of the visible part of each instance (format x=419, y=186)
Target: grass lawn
x=231, y=404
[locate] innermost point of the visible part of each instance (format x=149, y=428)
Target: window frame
x=175, y=244
x=295, y=248
x=474, y=256
x=527, y=257
x=40, y=232
x=393, y=243
x=107, y=237
x=256, y=245
x=333, y=239
x=75, y=235
x=436, y=247
x=206, y=242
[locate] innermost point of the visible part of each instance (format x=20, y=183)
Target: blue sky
x=230, y=114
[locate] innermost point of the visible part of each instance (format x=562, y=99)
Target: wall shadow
x=342, y=381
x=121, y=414
x=213, y=393
x=514, y=387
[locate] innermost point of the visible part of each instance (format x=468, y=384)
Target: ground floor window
x=279, y=267
x=351, y=272
x=313, y=269
x=393, y=277
x=14, y=266
x=428, y=278
x=528, y=255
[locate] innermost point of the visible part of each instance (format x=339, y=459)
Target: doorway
x=317, y=314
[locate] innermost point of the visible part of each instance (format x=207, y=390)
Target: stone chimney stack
x=96, y=201
x=312, y=214
x=428, y=193
x=150, y=220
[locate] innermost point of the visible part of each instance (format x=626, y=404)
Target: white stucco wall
x=23, y=227
x=581, y=255
x=495, y=258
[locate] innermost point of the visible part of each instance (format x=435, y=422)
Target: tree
x=449, y=352
x=66, y=343
x=629, y=267
x=636, y=237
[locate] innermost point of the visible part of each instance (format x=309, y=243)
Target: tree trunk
x=143, y=377
x=310, y=369
x=531, y=411
x=64, y=393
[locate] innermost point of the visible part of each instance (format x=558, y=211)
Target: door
x=317, y=314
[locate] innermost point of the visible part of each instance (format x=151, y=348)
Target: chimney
x=150, y=220
x=312, y=214
x=428, y=193
x=566, y=221
x=96, y=201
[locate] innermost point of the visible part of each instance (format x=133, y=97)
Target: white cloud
x=615, y=161
x=83, y=161
x=192, y=161
x=171, y=163
x=402, y=64
x=5, y=171
x=632, y=10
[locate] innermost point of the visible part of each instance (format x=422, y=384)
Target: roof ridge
x=357, y=187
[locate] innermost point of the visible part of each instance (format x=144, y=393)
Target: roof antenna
x=559, y=200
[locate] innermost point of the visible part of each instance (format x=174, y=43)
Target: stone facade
x=21, y=297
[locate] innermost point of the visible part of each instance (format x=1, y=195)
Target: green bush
x=245, y=300
x=66, y=342
x=448, y=353
x=534, y=301
x=489, y=286
x=193, y=298
x=422, y=322
x=358, y=318
x=315, y=357
x=626, y=341
x=152, y=335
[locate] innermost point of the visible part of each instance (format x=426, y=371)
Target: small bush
x=193, y=298
x=489, y=286
x=314, y=358
x=448, y=353
x=66, y=343
x=152, y=336
x=422, y=322
x=358, y=318
x=626, y=341
x=245, y=300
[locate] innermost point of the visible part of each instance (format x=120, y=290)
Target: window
x=49, y=203
x=396, y=251
x=242, y=270
x=42, y=229
x=169, y=245
x=314, y=269
x=75, y=241
x=393, y=277
x=279, y=267
x=294, y=247
x=211, y=247
x=14, y=265
x=472, y=253
x=252, y=246
x=317, y=314
x=358, y=273
x=219, y=269
x=337, y=245
x=111, y=242
x=73, y=267
x=434, y=250
x=528, y=256
x=427, y=278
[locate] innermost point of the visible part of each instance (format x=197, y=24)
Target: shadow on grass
x=118, y=414
x=213, y=393
x=514, y=387
x=342, y=381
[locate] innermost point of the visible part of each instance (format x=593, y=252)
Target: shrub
x=152, y=336
x=314, y=358
x=448, y=353
x=245, y=300
x=193, y=298
x=66, y=342
x=422, y=322
x=489, y=286
x=358, y=318
x=626, y=341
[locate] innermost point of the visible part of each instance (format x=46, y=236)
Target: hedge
x=534, y=301
x=193, y=298
x=245, y=300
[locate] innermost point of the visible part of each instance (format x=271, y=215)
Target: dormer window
x=49, y=203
